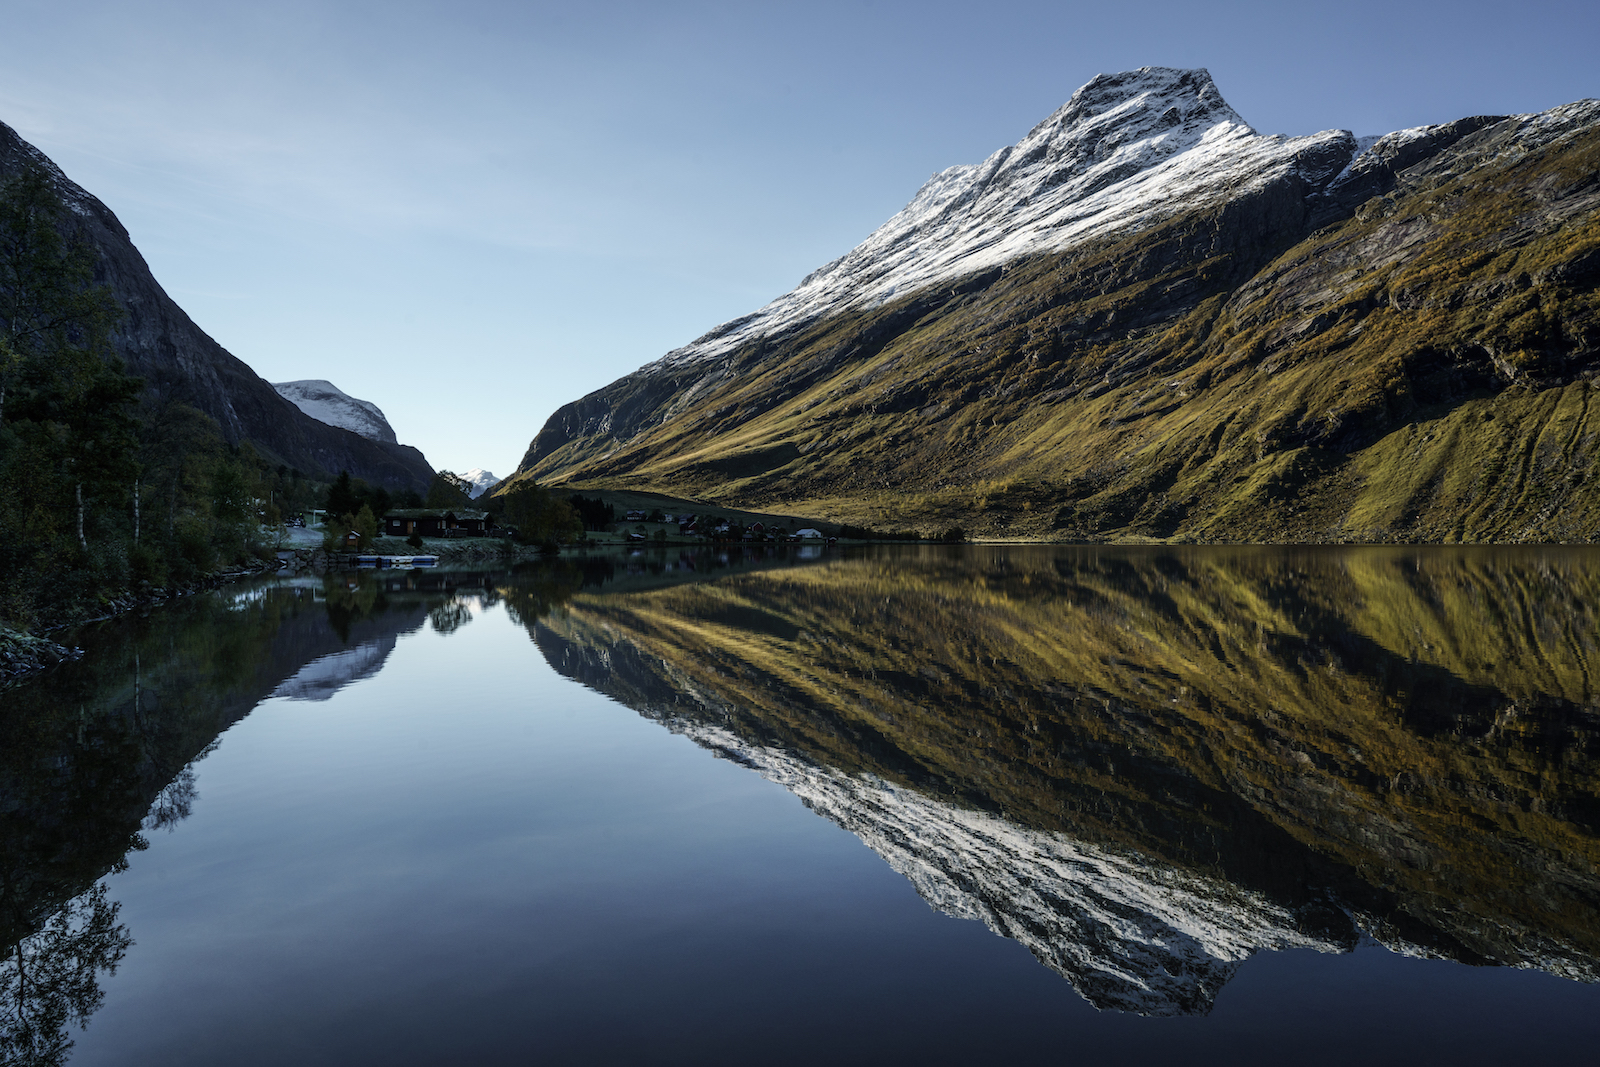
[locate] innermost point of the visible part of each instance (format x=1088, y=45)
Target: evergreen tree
x=341, y=496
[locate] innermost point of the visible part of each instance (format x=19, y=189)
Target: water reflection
x=102, y=749
x=1143, y=765
x=93, y=754
x=1147, y=765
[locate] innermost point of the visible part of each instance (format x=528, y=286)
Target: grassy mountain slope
x=1416, y=369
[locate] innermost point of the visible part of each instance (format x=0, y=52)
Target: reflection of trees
x=450, y=617
x=174, y=803
x=349, y=599
x=92, y=753
x=535, y=591
x=51, y=980
x=89, y=754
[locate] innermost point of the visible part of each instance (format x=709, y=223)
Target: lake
x=916, y=804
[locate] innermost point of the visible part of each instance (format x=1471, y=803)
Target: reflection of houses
x=434, y=522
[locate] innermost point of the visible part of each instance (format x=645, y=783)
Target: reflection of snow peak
x=1128, y=934
x=325, y=676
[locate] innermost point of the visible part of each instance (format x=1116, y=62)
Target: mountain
x=177, y=360
x=1146, y=319
x=327, y=403
x=482, y=481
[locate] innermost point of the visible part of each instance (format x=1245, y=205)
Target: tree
x=341, y=498
x=365, y=526
x=538, y=516
x=445, y=492
x=67, y=426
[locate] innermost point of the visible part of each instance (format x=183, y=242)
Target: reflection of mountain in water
x=326, y=675
x=1129, y=934
x=92, y=752
x=1146, y=766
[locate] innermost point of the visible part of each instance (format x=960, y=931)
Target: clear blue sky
x=471, y=213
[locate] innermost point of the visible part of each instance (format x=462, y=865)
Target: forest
x=104, y=487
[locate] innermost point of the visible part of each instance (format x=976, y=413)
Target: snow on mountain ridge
x=326, y=402
x=482, y=481
x=1124, y=152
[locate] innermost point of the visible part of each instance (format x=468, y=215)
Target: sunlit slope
x=1417, y=370
x=1418, y=740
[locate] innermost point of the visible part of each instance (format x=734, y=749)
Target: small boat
x=366, y=561
x=397, y=561
x=424, y=561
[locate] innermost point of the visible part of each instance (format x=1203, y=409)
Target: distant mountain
x=1146, y=319
x=482, y=481
x=327, y=403
x=177, y=360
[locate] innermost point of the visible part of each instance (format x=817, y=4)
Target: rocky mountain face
x=1146, y=319
x=326, y=402
x=177, y=360
x=1147, y=766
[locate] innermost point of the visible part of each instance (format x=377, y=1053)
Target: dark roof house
x=437, y=522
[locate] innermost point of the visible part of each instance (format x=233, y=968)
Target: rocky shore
x=23, y=654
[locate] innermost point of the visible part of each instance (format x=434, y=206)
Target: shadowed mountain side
x=177, y=360
x=1399, y=351
x=1306, y=745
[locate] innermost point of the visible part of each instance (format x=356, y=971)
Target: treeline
x=953, y=535
x=102, y=486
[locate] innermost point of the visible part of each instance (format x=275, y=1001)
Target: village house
x=436, y=522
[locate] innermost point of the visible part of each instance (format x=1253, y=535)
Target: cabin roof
x=435, y=513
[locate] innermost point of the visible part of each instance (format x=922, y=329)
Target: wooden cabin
x=437, y=522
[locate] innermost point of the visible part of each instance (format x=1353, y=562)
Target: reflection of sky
x=471, y=859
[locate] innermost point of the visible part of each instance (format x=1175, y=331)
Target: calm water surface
x=930, y=805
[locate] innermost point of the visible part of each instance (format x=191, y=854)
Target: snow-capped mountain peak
x=1125, y=152
x=482, y=481
x=327, y=403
